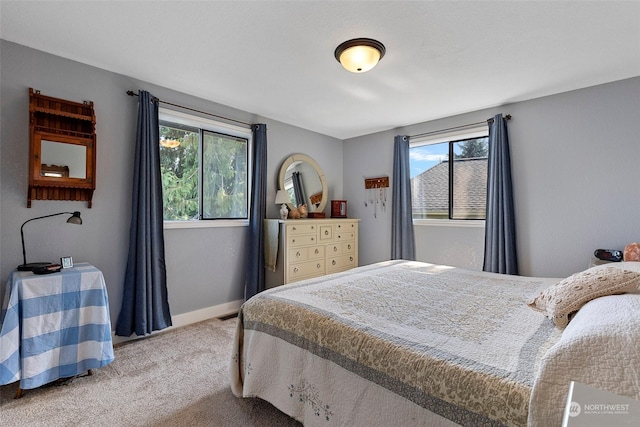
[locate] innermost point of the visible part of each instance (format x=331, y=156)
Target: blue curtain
x=298, y=189
x=254, y=282
x=145, y=307
x=402, y=240
x=500, y=229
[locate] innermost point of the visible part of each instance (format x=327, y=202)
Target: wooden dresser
x=310, y=248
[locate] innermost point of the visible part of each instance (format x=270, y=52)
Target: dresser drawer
x=341, y=263
x=326, y=233
x=345, y=235
x=307, y=269
x=305, y=253
x=342, y=227
x=341, y=248
x=301, y=228
x=302, y=240
x=316, y=252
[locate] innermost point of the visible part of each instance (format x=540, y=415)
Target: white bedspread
x=600, y=347
x=396, y=342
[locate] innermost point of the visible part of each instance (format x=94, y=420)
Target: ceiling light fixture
x=359, y=55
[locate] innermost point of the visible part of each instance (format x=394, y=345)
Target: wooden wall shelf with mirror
x=62, y=149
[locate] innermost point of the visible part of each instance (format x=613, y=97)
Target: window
x=204, y=168
x=444, y=189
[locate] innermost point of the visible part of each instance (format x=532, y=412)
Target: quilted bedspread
x=398, y=337
x=600, y=347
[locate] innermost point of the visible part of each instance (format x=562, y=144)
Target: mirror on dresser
x=302, y=178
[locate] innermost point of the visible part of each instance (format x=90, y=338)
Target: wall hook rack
x=380, y=182
x=376, y=193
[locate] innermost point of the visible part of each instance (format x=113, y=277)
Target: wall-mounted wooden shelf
x=61, y=135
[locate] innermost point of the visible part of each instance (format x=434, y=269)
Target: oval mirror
x=304, y=181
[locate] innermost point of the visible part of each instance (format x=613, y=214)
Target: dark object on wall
x=73, y=219
x=63, y=132
x=338, y=209
x=608, y=255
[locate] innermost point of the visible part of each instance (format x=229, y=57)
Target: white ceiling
x=275, y=58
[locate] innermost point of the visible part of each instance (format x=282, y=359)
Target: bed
x=410, y=343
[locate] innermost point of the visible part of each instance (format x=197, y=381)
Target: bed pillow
x=621, y=265
x=563, y=299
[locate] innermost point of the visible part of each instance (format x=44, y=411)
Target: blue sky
x=427, y=156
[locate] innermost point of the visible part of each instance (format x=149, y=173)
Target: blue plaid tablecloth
x=54, y=326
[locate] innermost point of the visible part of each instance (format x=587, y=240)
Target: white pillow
x=622, y=265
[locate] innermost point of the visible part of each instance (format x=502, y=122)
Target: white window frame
x=172, y=116
x=478, y=131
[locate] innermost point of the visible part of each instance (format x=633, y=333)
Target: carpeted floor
x=177, y=378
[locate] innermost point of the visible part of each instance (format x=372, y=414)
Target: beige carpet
x=177, y=378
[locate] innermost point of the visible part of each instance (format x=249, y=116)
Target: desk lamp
x=74, y=219
x=282, y=198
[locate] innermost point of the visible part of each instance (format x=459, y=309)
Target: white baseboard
x=189, y=318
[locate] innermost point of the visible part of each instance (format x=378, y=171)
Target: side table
x=54, y=326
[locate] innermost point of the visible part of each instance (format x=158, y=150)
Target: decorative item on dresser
x=309, y=248
x=300, y=176
x=338, y=209
x=282, y=198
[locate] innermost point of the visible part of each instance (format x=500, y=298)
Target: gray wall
x=575, y=170
x=205, y=266
x=574, y=157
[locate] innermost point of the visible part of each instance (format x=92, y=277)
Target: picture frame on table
x=66, y=262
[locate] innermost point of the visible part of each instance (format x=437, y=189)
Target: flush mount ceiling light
x=359, y=55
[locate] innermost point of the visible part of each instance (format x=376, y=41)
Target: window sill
x=475, y=223
x=218, y=223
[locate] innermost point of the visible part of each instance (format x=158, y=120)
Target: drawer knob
x=295, y=269
x=318, y=265
x=313, y=238
x=351, y=258
x=326, y=232
x=349, y=246
x=294, y=229
x=293, y=240
x=298, y=254
x=317, y=251
x=333, y=262
x=335, y=249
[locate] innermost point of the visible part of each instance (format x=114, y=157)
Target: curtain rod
x=507, y=117
x=132, y=93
